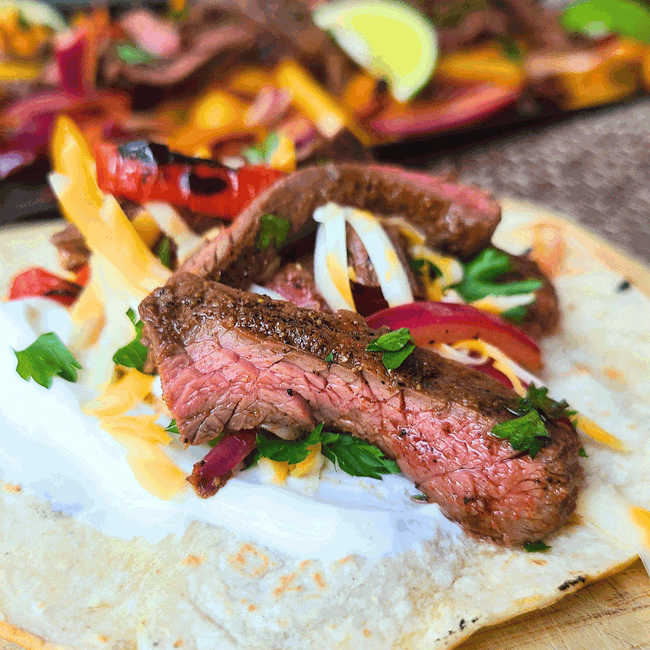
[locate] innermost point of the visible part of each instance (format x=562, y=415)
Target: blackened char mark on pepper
x=227, y=359
x=455, y=218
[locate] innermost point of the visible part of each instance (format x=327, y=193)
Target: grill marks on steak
x=455, y=218
x=227, y=360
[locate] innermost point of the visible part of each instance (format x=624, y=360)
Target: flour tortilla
x=75, y=587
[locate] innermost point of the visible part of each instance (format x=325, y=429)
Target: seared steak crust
x=455, y=218
x=230, y=360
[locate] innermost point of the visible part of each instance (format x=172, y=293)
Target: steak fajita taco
x=396, y=481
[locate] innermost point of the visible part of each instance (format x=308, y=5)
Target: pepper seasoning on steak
x=230, y=360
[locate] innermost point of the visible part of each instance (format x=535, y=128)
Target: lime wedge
x=389, y=39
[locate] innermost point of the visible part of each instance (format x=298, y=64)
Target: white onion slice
x=392, y=277
x=170, y=222
x=264, y=291
x=448, y=352
x=331, y=258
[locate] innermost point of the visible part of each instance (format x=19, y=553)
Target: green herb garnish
x=330, y=357
x=172, y=427
x=132, y=55
x=480, y=278
x=164, y=251
x=421, y=266
x=263, y=152
x=134, y=354
x=528, y=432
x=272, y=229
x=582, y=453
x=46, y=358
x=350, y=454
x=396, y=347
x=536, y=547
x=510, y=48
x=420, y=498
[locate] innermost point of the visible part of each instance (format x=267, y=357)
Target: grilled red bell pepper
x=37, y=282
x=145, y=171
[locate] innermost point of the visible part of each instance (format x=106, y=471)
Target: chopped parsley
x=350, y=454
x=172, y=427
x=396, y=347
x=47, y=357
x=481, y=275
x=420, y=266
x=134, y=354
x=536, y=547
x=528, y=431
x=330, y=357
x=164, y=251
x=263, y=152
x=132, y=55
x=272, y=229
x=582, y=453
x=420, y=498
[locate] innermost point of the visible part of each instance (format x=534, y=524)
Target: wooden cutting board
x=612, y=614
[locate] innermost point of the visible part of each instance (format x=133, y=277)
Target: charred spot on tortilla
x=623, y=286
x=572, y=583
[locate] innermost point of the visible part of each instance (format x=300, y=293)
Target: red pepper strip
x=444, y=322
x=205, y=187
x=83, y=275
x=216, y=468
x=37, y=282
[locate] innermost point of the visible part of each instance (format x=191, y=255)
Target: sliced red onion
x=212, y=473
x=71, y=50
x=442, y=322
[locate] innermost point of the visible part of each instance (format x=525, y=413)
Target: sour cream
x=59, y=454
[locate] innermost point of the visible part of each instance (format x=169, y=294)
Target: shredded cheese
x=279, y=471
x=500, y=304
x=121, y=396
x=593, y=431
x=145, y=225
x=502, y=363
x=450, y=267
x=142, y=426
x=640, y=517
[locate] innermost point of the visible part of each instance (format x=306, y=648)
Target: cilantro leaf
x=164, y=252
x=420, y=266
x=525, y=432
x=420, y=498
x=480, y=278
x=396, y=346
x=134, y=354
x=172, y=427
x=538, y=399
x=330, y=357
x=132, y=55
x=263, y=152
x=46, y=358
x=393, y=360
x=391, y=341
x=358, y=458
x=350, y=454
x=536, y=547
x=582, y=453
x=272, y=229
x=292, y=451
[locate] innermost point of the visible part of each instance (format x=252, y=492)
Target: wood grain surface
x=612, y=614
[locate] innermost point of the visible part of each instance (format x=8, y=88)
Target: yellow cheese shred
x=593, y=431
x=121, y=396
x=501, y=362
x=281, y=470
x=142, y=426
x=640, y=517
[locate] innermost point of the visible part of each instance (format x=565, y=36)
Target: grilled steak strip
x=456, y=219
x=230, y=360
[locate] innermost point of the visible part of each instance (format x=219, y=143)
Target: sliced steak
x=71, y=247
x=230, y=360
x=543, y=316
x=296, y=284
x=455, y=218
